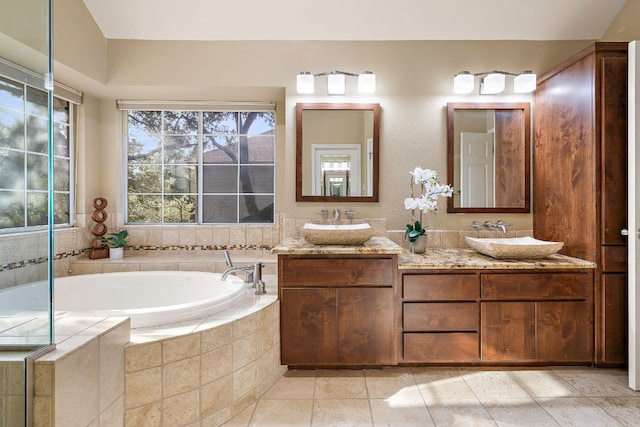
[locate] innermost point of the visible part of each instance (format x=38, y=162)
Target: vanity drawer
x=442, y=317
x=333, y=272
x=439, y=287
x=441, y=347
x=537, y=286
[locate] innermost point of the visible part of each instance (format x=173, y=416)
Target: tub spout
x=247, y=268
x=253, y=275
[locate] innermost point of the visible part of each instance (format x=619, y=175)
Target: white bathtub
x=149, y=298
x=28, y=300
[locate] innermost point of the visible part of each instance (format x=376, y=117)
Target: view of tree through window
x=200, y=167
x=24, y=157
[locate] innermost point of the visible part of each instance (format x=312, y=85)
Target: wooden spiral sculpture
x=98, y=248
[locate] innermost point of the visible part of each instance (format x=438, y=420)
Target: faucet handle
x=476, y=225
x=323, y=213
x=349, y=213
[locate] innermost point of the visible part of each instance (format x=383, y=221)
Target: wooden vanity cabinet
x=580, y=178
x=337, y=311
x=497, y=317
x=537, y=317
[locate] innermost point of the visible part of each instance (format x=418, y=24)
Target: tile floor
x=564, y=396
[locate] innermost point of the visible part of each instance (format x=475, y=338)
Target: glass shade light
x=335, y=84
x=492, y=83
x=524, y=82
x=305, y=82
x=463, y=82
x=367, y=82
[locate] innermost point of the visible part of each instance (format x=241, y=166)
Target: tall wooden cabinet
x=580, y=178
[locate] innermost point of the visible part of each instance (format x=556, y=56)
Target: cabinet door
x=309, y=327
x=614, y=319
x=365, y=326
x=564, y=331
x=508, y=331
x=614, y=149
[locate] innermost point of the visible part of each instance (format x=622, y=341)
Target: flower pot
x=419, y=246
x=116, y=253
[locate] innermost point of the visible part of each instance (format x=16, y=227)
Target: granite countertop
x=376, y=245
x=470, y=259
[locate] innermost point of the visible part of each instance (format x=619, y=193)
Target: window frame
x=29, y=79
x=201, y=109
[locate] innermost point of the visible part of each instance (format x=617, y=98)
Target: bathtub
x=148, y=298
x=28, y=300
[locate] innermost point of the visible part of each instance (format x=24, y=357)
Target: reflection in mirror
x=337, y=152
x=488, y=146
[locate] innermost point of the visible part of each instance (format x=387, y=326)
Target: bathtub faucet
x=253, y=275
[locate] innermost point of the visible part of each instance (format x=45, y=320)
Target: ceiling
x=354, y=19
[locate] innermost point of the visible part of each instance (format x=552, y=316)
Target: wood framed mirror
x=337, y=152
x=488, y=157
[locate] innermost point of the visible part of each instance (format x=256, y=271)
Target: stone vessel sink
x=517, y=247
x=339, y=234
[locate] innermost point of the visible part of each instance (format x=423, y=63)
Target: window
x=24, y=157
x=204, y=167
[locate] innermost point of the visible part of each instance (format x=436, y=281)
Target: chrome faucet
x=253, y=275
x=336, y=214
x=499, y=224
x=231, y=270
x=502, y=226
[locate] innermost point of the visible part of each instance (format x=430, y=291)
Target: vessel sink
x=339, y=234
x=516, y=247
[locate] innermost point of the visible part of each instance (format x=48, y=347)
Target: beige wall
x=78, y=43
x=414, y=85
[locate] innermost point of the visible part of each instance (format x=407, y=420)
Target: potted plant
x=117, y=242
x=430, y=190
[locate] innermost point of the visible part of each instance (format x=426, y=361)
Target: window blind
x=195, y=105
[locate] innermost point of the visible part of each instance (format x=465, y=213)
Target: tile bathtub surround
x=81, y=382
x=432, y=396
x=204, y=371
x=188, y=260
x=208, y=374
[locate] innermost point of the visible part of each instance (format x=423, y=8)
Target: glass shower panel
x=26, y=169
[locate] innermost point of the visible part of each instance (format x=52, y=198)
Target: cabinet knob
x=624, y=232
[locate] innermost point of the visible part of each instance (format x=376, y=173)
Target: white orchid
x=431, y=189
x=421, y=176
x=410, y=203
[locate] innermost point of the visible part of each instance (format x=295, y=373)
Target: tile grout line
x=433, y=420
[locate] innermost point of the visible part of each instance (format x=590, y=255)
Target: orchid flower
x=430, y=190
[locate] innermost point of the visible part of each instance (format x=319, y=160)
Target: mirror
x=488, y=164
x=337, y=152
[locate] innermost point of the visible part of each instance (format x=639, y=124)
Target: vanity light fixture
x=305, y=82
x=524, y=82
x=493, y=82
x=336, y=82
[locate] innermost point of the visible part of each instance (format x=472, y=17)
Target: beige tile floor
x=563, y=396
